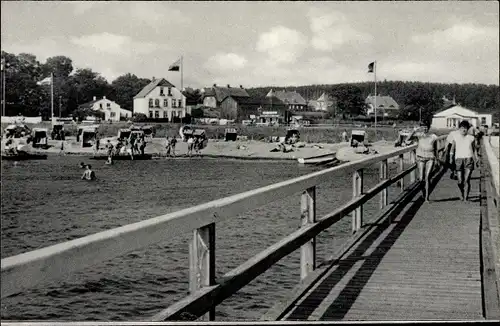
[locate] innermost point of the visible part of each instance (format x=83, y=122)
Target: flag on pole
x=371, y=67
x=175, y=66
x=45, y=81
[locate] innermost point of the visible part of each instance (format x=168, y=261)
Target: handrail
x=26, y=270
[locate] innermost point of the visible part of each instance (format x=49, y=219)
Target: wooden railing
x=29, y=269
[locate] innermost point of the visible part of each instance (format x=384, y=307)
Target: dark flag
x=371, y=67
x=175, y=66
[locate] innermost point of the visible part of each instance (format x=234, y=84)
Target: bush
x=139, y=117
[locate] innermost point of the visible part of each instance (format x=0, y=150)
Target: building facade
x=161, y=100
x=450, y=118
x=386, y=106
x=229, y=101
x=112, y=110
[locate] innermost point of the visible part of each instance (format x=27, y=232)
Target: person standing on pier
x=426, y=155
x=465, y=158
x=450, y=153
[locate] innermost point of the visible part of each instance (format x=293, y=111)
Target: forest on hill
x=77, y=86
x=410, y=96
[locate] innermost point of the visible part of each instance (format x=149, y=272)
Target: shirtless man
x=465, y=157
x=88, y=174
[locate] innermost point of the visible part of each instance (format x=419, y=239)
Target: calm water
x=44, y=202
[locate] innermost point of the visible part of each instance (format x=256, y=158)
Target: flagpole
x=52, y=96
x=4, y=70
x=375, y=75
x=182, y=74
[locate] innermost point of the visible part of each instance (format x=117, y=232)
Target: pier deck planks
x=425, y=265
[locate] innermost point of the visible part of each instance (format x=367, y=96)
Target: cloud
x=81, y=7
x=115, y=44
x=226, y=62
x=282, y=44
x=457, y=35
x=156, y=14
x=332, y=30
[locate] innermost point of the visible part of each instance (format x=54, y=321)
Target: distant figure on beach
x=109, y=148
x=10, y=147
x=426, y=156
x=465, y=158
x=173, y=142
x=88, y=174
x=142, y=145
x=167, y=146
x=190, y=143
x=344, y=136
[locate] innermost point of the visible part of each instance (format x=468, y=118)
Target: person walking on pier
x=426, y=155
x=450, y=153
x=465, y=157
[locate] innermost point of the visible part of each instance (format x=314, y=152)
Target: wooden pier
x=412, y=261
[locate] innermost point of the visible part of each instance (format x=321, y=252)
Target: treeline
x=73, y=87
x=409, y=95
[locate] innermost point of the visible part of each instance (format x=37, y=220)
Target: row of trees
x=73, y=87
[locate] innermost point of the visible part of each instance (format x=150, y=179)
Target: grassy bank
x=309, y=134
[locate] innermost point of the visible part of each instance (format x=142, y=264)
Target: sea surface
x=45, y=202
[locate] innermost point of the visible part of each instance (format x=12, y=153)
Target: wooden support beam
x=383, y=176
x=413, y=160
x=357, y=190
x=401, y=168
x=202, y=262
x=308, y=216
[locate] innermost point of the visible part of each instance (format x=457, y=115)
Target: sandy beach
x=248, y=149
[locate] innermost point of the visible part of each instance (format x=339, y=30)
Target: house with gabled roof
x=449, y=118
x=160, y=99
x=112, y=110
x=228, y=100
x=291, y=99
x=386, y=106
x=322, y=103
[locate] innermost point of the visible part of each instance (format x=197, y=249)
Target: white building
x=161, y=100
x=451, y=117
x=112, y=110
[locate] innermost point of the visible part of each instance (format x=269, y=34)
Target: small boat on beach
x=318, y=160
x=24, y=157
x=124, y=157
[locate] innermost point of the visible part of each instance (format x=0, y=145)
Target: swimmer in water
x=88, y=174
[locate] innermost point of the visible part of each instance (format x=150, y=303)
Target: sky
x=263, y=43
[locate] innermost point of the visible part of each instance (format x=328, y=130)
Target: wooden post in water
x=383, y=177
x=413, y=160
x=202, y=262
x=308, y=216
x=357, y=189
x=401, y=168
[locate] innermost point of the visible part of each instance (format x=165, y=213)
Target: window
x=150, y=102
x=165, y=114
x=174, y=103
x=483, y=120
x=161, y=91
x=113, y=114
x=174, y=114
x=157, y=114
x=169, y=91
x=179, y=102
x=165, y=102
x=180, y=114
x=157, y=103
x=100, y=105
x=150, y=114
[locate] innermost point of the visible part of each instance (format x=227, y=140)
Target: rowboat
x=318, y=160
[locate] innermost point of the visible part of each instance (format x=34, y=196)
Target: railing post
x=413, y=160
x=308, y=216
x=401, y=168
x=383, y=176
x=357, y=189
x=202, y=262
